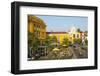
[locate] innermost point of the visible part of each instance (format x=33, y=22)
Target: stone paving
x=66, y=53
x=70, y=52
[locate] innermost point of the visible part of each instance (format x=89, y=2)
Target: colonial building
x=59, y=35
x=37, y=27
x=71, y=35
x=74, y=34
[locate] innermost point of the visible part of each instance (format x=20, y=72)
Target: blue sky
x=64, y=23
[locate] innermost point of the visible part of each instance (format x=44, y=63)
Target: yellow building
x=59, y=35
x=71, y=35
x=37, y=26
x=74, y=34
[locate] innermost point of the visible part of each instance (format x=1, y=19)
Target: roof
x=56, y=32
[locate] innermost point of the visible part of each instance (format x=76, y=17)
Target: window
x=73, y=35
x=77, y=36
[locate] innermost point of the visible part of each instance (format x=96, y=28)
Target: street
x=71, y=52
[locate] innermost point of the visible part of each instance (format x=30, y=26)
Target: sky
x=64, y=23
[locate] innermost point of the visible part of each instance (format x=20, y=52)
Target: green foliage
x=86, y=42
x=48, y=40
x=78, y=30
x=33, y=41
x=53, y=39
x=66, y=42
x=79, y=41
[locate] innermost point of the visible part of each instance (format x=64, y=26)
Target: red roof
x=56, y=32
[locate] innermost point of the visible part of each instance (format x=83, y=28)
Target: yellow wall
x=37, y=26
x=71, y=37
x=76, y=35
x=60, y=37
x=30, y=27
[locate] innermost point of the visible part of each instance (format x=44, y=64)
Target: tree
x=86, y=42
x=33, y=42
x=79, y=41
x=54, y=39
x=48, y=40
x=66, y=42
x=78, y=30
